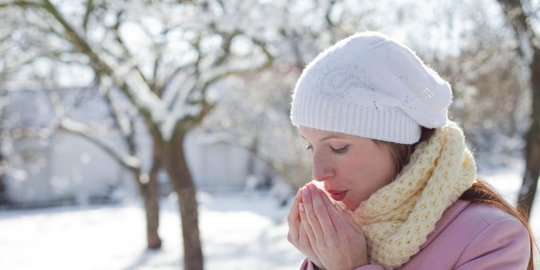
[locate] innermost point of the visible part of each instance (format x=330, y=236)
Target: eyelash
x=341, y=150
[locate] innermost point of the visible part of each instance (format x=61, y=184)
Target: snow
x=144, y=97
x=179, y=112
x=239, y=230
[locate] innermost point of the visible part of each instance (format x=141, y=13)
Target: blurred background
x=156, y=134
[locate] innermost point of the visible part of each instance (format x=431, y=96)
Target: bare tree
x=131, y=158
x=520, y=15
x=10, y=61
x=29, y=47
x=259, y=122
x=164, y=64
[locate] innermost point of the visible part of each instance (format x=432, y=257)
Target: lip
x=338, y=195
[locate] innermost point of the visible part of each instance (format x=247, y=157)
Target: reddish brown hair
x=479, y=192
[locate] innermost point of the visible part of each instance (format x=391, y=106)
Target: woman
x=395, y=185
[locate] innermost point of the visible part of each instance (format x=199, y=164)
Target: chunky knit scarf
x=397, y=218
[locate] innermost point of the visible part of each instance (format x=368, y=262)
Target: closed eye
x=341, y=150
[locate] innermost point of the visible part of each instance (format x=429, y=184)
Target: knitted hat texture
x=370, y=86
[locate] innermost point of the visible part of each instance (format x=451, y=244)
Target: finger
x=321, y=211
x=293, y=213
x=329, y=204
x=293, y=219
x=305, y=227
x=333, y=213
x=350, y=220
x=309, y=211
x=336, y=212
x=302, y=234
x=343, y=220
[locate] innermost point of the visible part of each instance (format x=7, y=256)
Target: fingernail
x=305, y=191
x=312, y=187
x=301, y=207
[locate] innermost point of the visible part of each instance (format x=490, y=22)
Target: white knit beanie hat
x=371, y=86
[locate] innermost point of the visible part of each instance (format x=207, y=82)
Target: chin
x=350, y=205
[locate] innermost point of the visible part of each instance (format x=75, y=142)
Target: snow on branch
x=223, y=72
x=124, y=77
x=180, y=112
x=139, y=91
x=130, y=162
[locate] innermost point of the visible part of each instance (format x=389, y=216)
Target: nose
x=322, y=168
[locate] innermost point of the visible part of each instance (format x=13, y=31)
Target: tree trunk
x=2, y=188
x=151, y=205
x=149, y=191
x=527, y=192
x=2, y=177
x=193, y=259
x=173, y=158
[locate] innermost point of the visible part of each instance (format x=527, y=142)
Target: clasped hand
x=325, y=233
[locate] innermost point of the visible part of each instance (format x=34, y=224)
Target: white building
x=46, y=169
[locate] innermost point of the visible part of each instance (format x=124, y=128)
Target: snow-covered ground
x=239, y=230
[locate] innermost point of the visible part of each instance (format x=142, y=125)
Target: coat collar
x=448, y=216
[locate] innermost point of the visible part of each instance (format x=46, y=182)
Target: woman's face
x=350, y=167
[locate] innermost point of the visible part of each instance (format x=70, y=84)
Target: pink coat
x=469, y=236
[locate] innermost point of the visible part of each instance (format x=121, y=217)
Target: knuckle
x=290, y=219
x=290, y=238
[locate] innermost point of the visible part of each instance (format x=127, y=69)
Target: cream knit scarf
x=398, y=217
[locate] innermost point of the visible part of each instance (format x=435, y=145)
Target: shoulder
x=472, y=218
x=477, y=218
x=486, y=214
x=474, y=235
x=495, y=237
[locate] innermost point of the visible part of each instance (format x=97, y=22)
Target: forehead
x=313, y=135
x=317, y=134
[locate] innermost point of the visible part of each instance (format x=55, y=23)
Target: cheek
x=367, y=174
x=373, y=169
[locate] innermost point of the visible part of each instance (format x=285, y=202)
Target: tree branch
x=267, y=63
x=22, y=4
x=77, y=40
x=89, y=7
x=329, y=13
x=123, y=122
x=99, y=65
x=174, y=74
x=127, y=54
x=206, y=107
x=66, y=124
x=127, y=161
x=515, y=15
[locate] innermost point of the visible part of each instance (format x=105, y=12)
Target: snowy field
x=239, y=231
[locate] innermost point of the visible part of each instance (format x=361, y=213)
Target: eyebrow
x=333, y=136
